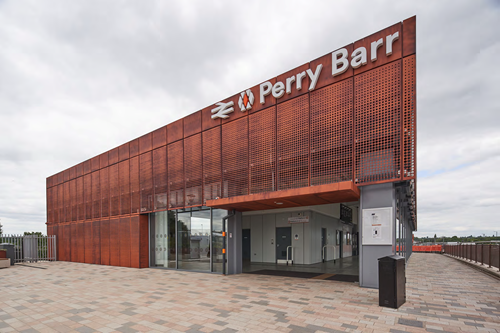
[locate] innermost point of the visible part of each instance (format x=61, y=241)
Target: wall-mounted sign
x=378, y=226
x=340, y=64
x=298, y=219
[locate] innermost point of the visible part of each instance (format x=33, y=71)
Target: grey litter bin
x=391, y=281
x=10, y=251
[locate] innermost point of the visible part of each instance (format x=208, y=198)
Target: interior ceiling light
x=278, y=203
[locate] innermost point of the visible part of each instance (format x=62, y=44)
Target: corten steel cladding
x=96, y=241
x=235, y=158
x=73, y=199
x=87, y=195
x=193, y=170
x=104, y=179
x=262, y=150
x=80, y=203
x=146, y=181
x=89, y=242
x=176, y=174
x=358, y=127
x=135, y=186
x=96, y=195
x=377, y=119
x=332, y=133
x=293, y=143
x=160, y=180
x=105, y=242
x=409, y=117
x=212, y=176
x=114, y=190
x=124, y=172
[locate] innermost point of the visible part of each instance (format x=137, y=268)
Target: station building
x=312, y=171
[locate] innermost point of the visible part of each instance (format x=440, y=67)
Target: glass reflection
x=199, y=241
x=217, y=239
x=193, y=250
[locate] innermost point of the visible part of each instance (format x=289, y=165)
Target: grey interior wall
x=374, y=196
x=256, y=238
x=234, y=244
x=268, y=238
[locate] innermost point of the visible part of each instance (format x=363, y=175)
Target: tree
x=1, y=228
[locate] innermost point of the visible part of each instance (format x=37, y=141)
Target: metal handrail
x=289, y=247
x=323, y=251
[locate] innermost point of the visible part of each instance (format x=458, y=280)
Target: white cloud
x=79, y=78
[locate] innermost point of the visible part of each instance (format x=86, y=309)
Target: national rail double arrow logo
x=223, y=110
x=246, y=100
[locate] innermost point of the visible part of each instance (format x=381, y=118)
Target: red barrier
x=427, y=248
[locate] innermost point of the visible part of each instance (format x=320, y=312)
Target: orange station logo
x=246, y=100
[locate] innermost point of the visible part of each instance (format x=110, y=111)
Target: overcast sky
x=78, y=78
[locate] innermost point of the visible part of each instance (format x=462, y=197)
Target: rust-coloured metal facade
x=358, y=127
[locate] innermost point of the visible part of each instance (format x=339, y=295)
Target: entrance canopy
x=306, y=196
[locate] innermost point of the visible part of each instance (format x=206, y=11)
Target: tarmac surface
x=443, y=295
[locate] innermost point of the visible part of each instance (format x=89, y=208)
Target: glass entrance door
x=190, y=239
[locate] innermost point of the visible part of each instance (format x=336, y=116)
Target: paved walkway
x=442, y=295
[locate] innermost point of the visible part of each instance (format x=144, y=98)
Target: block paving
x=443, y=295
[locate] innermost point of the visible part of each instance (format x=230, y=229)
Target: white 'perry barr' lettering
x=340, y=64
x=279, y=89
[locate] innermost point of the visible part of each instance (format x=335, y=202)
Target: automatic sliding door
x=193, y=237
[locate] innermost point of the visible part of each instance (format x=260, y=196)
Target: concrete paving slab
x=443, y=295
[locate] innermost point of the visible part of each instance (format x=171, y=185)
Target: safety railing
x=324, y=253
x=484, y=254
x=288, y=260
x=31, y=248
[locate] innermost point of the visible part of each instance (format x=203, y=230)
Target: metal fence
x=485, y=254
x=31, y=248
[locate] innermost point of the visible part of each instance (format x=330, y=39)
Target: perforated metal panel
x=135, y=240
x=72, y=199
x=262, y=150
x=176, y=174
x=89, y=242
x=212, y=169
x=80, y=203
x=409, y=117
x=58, y=200
x=193, y=170
x=160, y=180
x=124, y=170
x=79, y=245
x=135, y=186
x=104, y=242
x=114, y=242
x=124, y=240
x=377, y=115
x=293, y=143
x=96, y=241
x=104, y=180
x=50, y=218
x=235, y=158
x=146, y=179
x=114, y=190
x=67, y=207
x=332, y=133
x=96, y=195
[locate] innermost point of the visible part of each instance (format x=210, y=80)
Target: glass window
x=189, y=239
x=193, y=237
x=217, y=239
x=163, y=239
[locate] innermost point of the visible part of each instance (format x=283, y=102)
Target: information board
x=378, y=226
